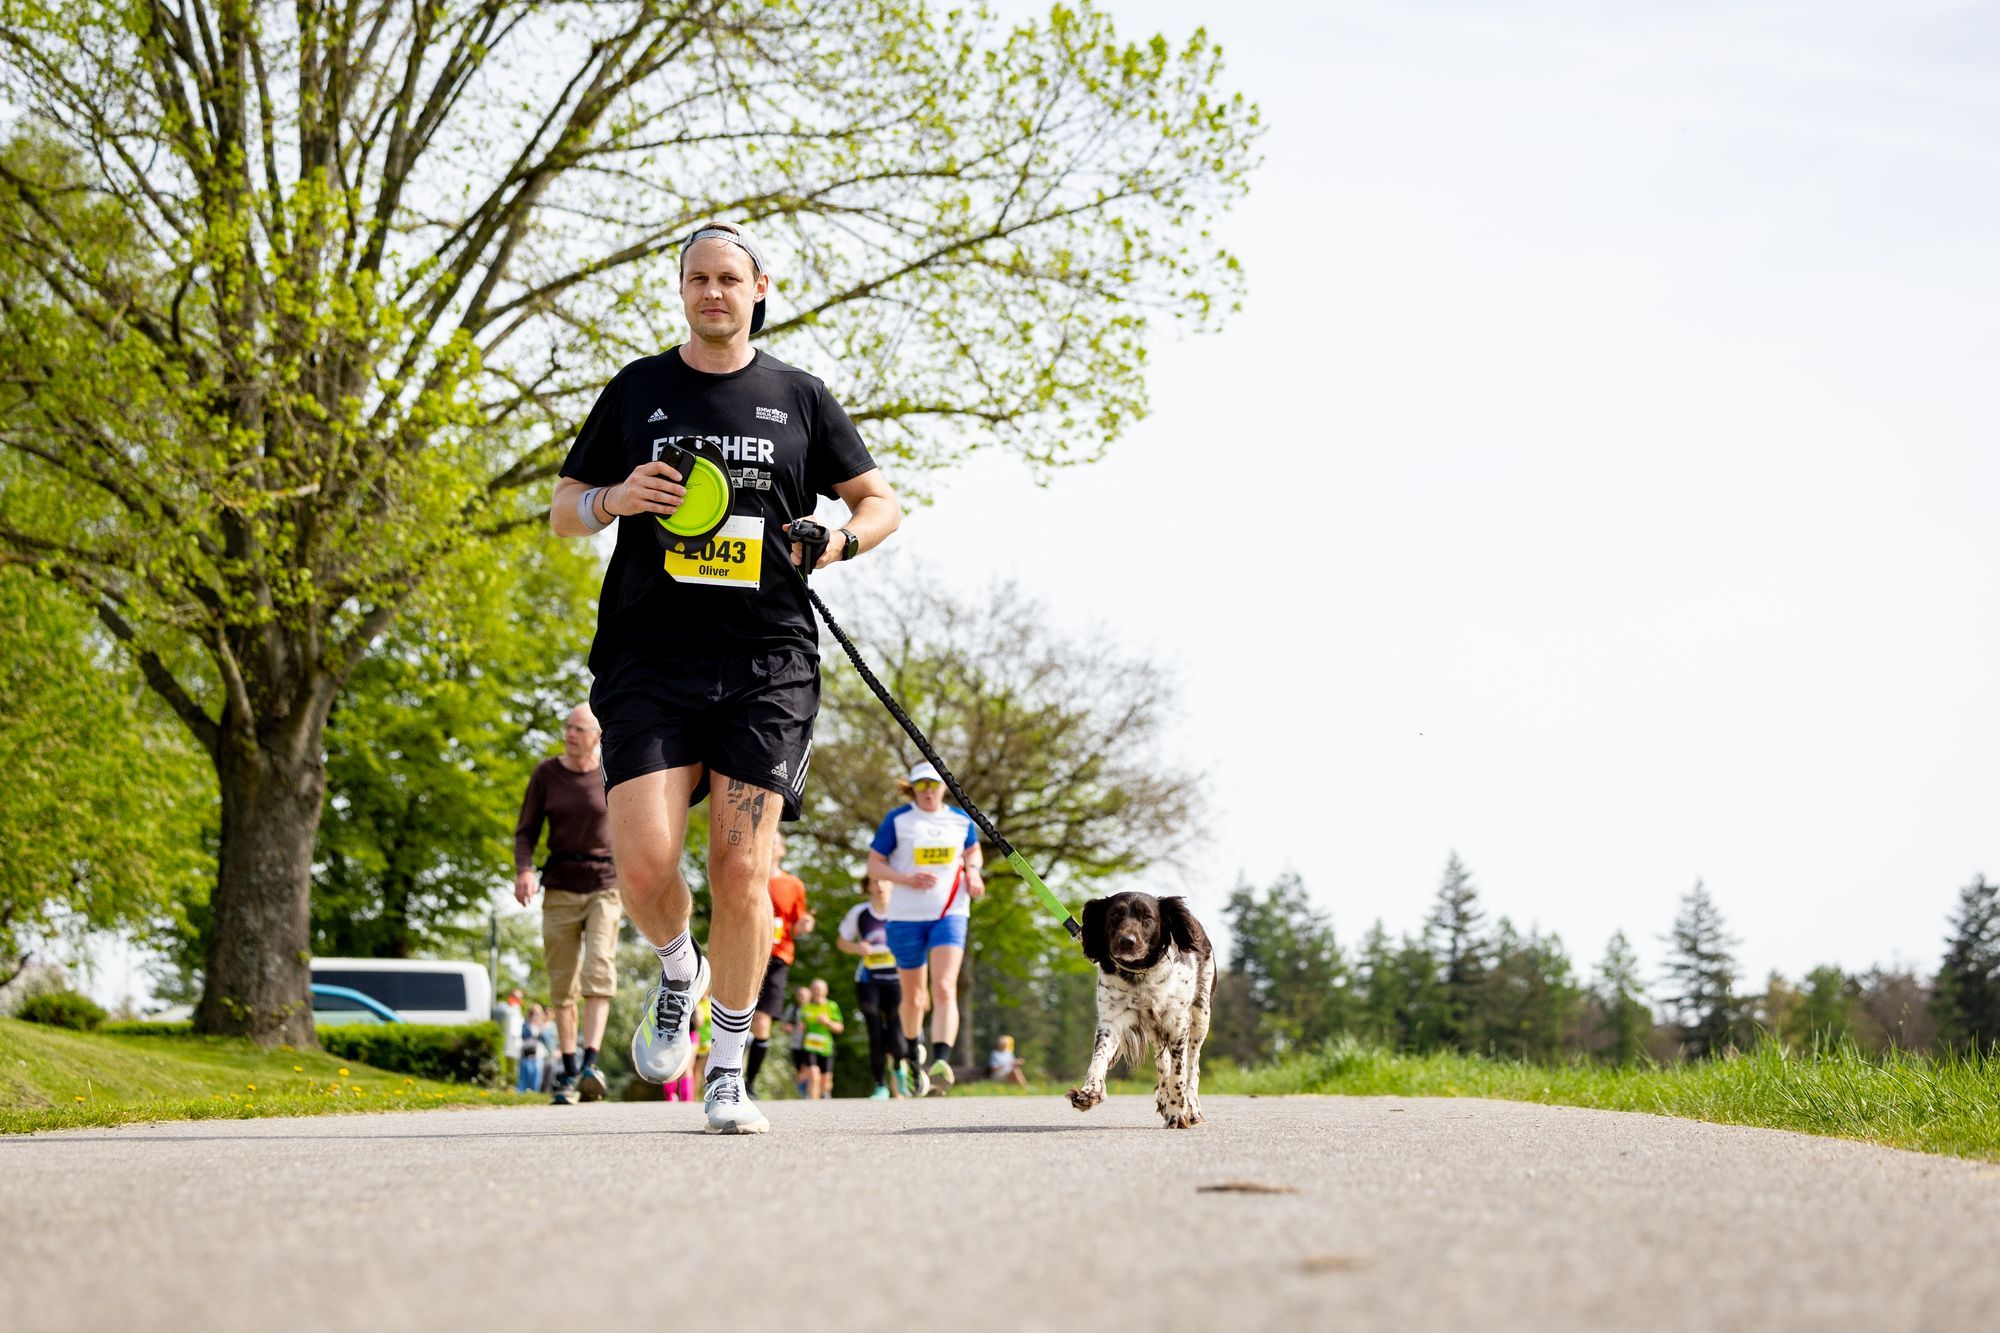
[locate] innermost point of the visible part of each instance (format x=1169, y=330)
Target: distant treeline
x=1461, y=984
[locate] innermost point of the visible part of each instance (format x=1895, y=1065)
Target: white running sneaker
x=661, y=1047
x=729, y=1108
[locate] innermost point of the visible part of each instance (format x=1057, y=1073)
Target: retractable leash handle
x=813, y=538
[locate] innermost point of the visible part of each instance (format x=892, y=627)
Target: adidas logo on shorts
x=658, y=415
x=779, y=771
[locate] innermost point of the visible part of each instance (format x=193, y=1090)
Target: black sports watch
x=853, y=547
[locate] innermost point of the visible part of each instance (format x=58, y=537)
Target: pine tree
x=1627, y=1020
x=1701, y=977
x=1529, y=1002
x=1285, y=951
x=1967, y=1001
x=1462, y=953
x=1377, y=987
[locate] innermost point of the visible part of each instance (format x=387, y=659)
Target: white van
x=418, y=989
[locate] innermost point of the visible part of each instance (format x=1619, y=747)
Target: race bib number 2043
x=733, y=558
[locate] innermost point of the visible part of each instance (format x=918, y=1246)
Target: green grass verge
x=1947, y=1105
x=56, y=1079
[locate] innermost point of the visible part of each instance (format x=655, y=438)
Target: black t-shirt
x=786, y=441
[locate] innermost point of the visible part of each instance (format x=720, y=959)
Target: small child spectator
x=1005, y=1066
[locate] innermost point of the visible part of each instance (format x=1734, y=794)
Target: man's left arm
x=873, y=513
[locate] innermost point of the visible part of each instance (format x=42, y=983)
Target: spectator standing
x=791, y=917
x=508, y=1016
x=528, y=1042
x=580, y=904
x=550, y=1043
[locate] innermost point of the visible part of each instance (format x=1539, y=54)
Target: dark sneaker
x=729, y=1108
x=565, y=1093
x=590, y=1084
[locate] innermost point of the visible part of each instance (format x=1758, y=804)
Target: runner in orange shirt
x=790, y=918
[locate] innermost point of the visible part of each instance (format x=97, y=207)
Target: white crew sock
x=729, y=1029
x=679, y=957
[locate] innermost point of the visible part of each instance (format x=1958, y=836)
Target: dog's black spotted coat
x=1156, y=983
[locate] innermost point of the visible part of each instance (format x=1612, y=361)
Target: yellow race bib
x=935, y=856
x=733, y=558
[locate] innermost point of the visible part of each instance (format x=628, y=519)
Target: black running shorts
x=745, y=717
x=771, y=997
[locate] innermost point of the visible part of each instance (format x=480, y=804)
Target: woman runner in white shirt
x=930, y=853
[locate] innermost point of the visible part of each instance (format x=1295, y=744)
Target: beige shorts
x=580, y=940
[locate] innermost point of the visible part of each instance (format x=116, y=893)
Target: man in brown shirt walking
x=581, y=910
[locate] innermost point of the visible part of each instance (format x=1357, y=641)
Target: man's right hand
x=922, y=879
x=524, y=887
x=653, y=488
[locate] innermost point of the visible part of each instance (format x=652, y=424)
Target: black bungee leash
x=813, y=537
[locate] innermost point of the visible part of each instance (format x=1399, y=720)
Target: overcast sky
x=1614, y=398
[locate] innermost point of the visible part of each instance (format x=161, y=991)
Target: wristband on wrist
x=586, y=510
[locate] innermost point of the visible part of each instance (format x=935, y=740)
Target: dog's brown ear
x=1095, y=946
x=1181, y=927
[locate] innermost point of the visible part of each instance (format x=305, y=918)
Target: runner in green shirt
x=822, y=1020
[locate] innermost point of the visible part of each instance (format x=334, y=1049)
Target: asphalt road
x=991, y=1213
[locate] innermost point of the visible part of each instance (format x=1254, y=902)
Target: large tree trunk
x=259, y=940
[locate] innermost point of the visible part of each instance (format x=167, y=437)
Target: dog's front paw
x=1182, y=1117
x=1085, y=1098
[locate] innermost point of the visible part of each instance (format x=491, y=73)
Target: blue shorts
x=912, y=941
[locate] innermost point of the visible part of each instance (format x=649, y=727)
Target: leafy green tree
x=1057, y=739
x=1625, y=1019
x=1463, y=953
x=1826, y=1006
x=1777, y=1014
x=1897, y=1010
x=105, y=802
x=1967, y=1001
x=431, y=748
x=302, y=301
x=1701, y=976
x=1529, y=1005
x=1291, y=968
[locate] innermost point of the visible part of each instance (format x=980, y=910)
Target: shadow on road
x=1028, y=1129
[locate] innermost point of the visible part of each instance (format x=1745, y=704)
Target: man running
x=824, y=1022
x=580, y=905
x=707, y=669
x=790, y=918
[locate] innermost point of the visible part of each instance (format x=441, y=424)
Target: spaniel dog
x=1156, y=984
